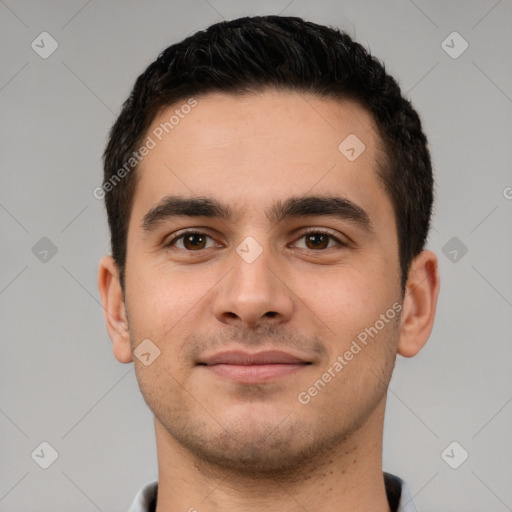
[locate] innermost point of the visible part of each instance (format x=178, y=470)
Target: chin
x=272, y=447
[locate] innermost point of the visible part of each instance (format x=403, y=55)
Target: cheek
x=162, y=299
x=158, y=387
x=348, y=299
x=358, y=314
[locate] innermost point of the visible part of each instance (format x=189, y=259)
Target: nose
x=253, y=294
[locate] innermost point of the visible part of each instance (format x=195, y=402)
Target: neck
x=348, y=477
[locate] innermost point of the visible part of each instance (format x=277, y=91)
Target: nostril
x=271, y=314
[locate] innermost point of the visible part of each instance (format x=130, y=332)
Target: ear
x=419, y=305
x=114, y=310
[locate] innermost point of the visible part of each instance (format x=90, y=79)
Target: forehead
x=251, y=150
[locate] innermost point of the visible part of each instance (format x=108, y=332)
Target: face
x=292, y=249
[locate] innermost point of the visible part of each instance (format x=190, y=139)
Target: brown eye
x=317, y=241
x=192, y=241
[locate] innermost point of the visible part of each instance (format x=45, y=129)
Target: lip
x=239, y=357
x=246, y=367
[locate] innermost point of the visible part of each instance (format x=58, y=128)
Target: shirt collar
x=396, y=490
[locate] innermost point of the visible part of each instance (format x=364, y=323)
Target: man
x=269, y=194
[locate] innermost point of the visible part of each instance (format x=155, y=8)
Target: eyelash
x=324, y=232
x=316, y=231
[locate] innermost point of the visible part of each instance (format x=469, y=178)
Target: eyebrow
x=293, y=207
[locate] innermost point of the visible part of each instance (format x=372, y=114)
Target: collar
x=399, y=496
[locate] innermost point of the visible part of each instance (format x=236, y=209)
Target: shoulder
x=399, y=495
x=145, y=499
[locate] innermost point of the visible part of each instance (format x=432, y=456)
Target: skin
x=228, y=446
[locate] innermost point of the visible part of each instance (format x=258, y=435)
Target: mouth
x=245, y=367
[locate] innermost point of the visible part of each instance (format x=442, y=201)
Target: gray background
x=59, y=380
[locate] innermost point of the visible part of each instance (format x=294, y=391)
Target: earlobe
x=420, y=304
x=114, y=310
